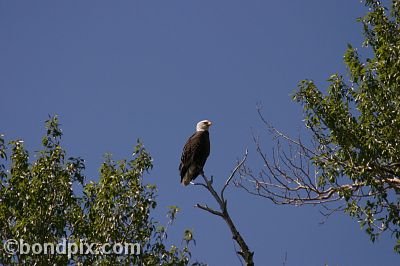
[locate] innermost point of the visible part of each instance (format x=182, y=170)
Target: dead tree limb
x=310, y=172
x=244, y=252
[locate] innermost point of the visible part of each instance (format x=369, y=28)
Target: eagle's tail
x=191, y=175
x=186, y=180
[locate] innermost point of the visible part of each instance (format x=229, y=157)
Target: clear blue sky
x=115, y=71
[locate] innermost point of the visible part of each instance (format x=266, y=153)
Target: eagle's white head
x=203, y=125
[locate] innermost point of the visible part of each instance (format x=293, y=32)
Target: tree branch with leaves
x=351, y=163
x=39, y=204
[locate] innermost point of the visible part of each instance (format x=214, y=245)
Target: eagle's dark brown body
x=194, y=156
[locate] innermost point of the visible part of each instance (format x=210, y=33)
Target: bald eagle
x=195, y=153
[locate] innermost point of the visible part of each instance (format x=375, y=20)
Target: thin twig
x=233, y=174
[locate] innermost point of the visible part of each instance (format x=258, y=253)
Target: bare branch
x=233, y=173
x=244, y=252
x=200, y=184
x=278, y=133
x=294, y=174
x=206, y=208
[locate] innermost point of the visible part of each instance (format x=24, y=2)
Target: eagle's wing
x=189, y=151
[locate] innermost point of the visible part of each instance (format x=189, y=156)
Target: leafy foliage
x=38, y=205
x=357, y=125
